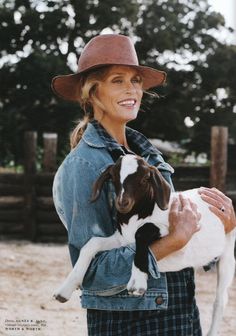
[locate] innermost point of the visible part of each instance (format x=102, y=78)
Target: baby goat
x=142, y=200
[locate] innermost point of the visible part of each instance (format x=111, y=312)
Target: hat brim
x=65, y=86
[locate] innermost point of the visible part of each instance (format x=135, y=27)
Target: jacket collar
x=92, y=138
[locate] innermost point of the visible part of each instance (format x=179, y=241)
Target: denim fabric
x=104, y=286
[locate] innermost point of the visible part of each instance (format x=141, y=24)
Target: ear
x=98, y=184
x=161, y=189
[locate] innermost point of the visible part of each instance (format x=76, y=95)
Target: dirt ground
x=29, y=273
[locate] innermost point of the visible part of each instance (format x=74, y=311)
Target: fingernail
x=201, y=189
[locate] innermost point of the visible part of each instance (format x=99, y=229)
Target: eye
x=137, y=79
x=146, y=178
x=117, y=80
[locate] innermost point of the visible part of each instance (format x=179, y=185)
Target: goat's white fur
x=204, y=246
x=128, y=166
x=137, y=284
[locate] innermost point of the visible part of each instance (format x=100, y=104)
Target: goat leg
x=87, y=253
x=144, y=236
x=225, y=275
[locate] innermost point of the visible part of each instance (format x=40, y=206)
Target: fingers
x=179, y=204
x=185, y=202
x=220, y=205
x=211, y=197
x=183, y=219
x=174, y=208
x=217, y=211
x=195, y=210
x=216, y=195
x=190, y=206
x=174, y=205
x=216, y=199
x=212, y=201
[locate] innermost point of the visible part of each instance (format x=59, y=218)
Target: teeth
x=129, y=102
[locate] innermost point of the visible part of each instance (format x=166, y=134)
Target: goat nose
x=123, y=202
x=124, y=205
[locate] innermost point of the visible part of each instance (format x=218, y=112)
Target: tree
x=180, y=37
x=45, y=38
x=41, y=39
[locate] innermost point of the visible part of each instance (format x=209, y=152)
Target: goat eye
x=146, y=178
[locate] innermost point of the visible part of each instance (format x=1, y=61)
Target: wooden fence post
x=50, y=151
x=219, y=142
x=30, y=146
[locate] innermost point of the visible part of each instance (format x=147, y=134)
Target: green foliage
x=178, y=35
x=42, y=38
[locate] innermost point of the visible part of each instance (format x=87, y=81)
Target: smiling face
x=120, y=94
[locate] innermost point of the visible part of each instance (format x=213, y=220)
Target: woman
x=109, y=86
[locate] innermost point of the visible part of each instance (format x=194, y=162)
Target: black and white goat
x=142, y=200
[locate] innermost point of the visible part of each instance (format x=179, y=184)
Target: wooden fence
x=26, y=205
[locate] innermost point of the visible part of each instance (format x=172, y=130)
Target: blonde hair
x=87, y=94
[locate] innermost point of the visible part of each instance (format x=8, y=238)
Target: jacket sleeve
x=72, y=192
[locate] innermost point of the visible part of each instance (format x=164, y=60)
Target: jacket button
x=159, y=300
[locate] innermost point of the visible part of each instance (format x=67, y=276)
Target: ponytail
x=86, y=94
x=78, y=131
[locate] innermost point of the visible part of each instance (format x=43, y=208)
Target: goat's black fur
x=144, y=236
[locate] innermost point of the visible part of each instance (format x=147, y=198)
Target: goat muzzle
x=124, y=205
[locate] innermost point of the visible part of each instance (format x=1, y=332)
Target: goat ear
x=161, y=189
x=98, y=184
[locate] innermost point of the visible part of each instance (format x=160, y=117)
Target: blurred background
x=192, y=40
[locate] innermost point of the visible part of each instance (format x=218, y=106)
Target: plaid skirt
x=180, y=319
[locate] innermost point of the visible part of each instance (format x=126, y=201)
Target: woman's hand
x=184, y=220
x=220, y=205
x=183, y=223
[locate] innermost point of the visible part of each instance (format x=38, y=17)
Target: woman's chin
x=131, y=116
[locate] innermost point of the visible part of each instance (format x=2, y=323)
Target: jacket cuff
x=153, y=265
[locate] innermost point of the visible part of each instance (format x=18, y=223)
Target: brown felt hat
x=110, y=49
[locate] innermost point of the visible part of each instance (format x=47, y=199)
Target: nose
x=124, y=204
x=129, y=87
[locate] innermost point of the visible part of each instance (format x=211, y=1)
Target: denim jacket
x=104, y=285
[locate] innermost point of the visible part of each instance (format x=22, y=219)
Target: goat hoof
x=60, y=298
x=137, y=292
x=137, y=287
